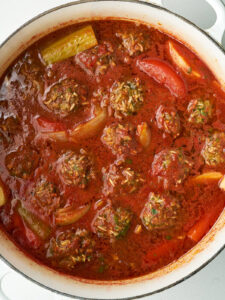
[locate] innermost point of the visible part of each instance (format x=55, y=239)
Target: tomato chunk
x=46, y=125
x=164, y=74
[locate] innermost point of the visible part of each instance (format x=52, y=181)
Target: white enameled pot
x=210, y=52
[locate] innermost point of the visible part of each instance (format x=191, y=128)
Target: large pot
x=211, y=53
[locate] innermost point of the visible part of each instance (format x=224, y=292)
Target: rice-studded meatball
x=121, y=179
x=46, y=195
x=168, y=120
x=9, y=127
x=199, y=111
x=71, y=247
x=65, y=97
x=31, y=73
x=22, y=163
x=213, y=151
x=171, y=166
x=160, y=212
x=120, y=138
x=126, y=97
x=134, y=43
x=76, y=168
x=112, y=222
x=10, y=124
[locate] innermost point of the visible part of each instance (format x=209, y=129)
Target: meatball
x=76, y=169
x=46, y=195
x=71, y=247
x=9, y=126
x=120, y=179
x=31, y=71
x=112, y=223
x=134, y=43
x=24, y=80
x=168, y=120
x=22, y=163
x=126, y=97
x=160, y=212
x=120, y=139
x=199, y=111
x=96, y=61
x=213, y=150
x=65, y=97
x=171, y=167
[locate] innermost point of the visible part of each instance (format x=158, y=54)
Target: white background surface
x=209, y=283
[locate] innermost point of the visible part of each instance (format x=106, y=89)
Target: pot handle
x=157, y=2
x=217, y=30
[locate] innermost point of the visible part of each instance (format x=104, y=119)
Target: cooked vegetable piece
x=202, y=226
x=144, y=134
x=207, y=177
x=90, y=128
x=222, y=183
x=57, y=136
x=69, y=215
x=181, y=61
x=34, y=223
x=164, y=74
x=51, y=130
x=138, y=229
x=2, y=196
x=70, y=45
x=82, y=131
x=46, y=125
x=162, y=250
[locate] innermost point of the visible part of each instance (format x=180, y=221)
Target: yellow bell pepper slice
x=208, y=176
x=2, y=196
x=144, y=134
x=69, y=215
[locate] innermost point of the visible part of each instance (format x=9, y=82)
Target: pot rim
x=149, y=4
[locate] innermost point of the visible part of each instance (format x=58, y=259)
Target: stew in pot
x=112, y=142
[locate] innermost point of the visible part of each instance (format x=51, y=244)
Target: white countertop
x=207, y=284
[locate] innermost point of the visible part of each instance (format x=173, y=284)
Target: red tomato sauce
x=100, y=151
